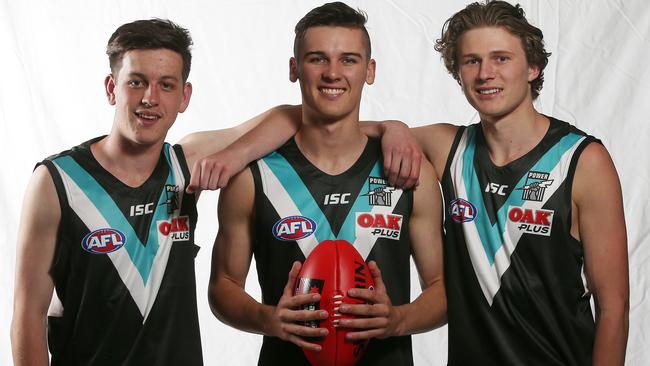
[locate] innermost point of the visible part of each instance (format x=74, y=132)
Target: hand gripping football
x=331, y=269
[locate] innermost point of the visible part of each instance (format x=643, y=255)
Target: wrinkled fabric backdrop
x=51, y=97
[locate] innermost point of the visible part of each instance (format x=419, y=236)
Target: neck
x=511, y=136
x=333, y=147
x=130, y=163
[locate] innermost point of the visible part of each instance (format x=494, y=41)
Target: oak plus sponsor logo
x=379, y=192
x=461, y=210
x=531, y=221
x=103, y=241
x=177, y=228
x=294, y=228
x=379, y=225
x=535, y=186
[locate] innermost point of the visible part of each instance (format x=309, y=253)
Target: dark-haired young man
x=107, y=229
x=534, y=218
x=327, y=175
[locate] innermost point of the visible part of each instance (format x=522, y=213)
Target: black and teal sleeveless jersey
x=514, y=275
x=123, y=266
x=298, y=206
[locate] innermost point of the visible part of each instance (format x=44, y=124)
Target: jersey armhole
x=452, y=150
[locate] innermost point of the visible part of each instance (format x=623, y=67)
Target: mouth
x=332, y=92
x=489, y=91
x=147, y=117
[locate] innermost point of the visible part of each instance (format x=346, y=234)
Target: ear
x=109, y=88
x=293, y=69
x=187, y=94
x=533, y=72
x=370, y=72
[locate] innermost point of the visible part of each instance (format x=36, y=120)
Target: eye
x=316, y=59
x=348, y=60
x=471, y=61
x=135, y=83
x=168, y=86
x=502, y=58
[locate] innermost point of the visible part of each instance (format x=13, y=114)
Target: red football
x=331, y=269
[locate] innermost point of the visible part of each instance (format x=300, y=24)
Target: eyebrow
x=322, y=53
x=143, y=76
x=496, y=52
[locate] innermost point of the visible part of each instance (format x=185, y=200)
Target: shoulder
x=595, y=175
x=436, y=141
x=41, y=205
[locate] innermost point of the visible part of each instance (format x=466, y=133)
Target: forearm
x=276, y=127
x=233, y=306
x=28, y=340
x=611, y=336
x=428, y=311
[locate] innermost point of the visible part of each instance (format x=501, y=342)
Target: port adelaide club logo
x=535, y=186
x=379, y=192
x=294, y=228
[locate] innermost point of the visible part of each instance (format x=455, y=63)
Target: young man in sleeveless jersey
x=327, y=174
x=534, y=217
x=112, y=275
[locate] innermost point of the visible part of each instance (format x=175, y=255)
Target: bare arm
x=429, y=309
x=213, y=164
x=598, y=221
x=436, y=140
x=402, y=155
x=403, y=147
x=231, y=258
x=39, y=223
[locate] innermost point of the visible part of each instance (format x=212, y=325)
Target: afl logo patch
x=294, y=228
x=461, y=210
x=103, y=241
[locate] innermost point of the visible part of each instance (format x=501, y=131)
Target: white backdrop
x=51, y=98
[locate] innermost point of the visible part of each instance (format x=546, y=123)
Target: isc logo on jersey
x=531, y=221
x=461, y=210
x=379, y=225
x=294, y=228
x=178, y=228
x=103, y=241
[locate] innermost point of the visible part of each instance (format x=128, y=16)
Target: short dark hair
x=494, y=14
x=336, y=14
x=150, y=34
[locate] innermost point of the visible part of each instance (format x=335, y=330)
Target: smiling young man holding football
x=317, y=187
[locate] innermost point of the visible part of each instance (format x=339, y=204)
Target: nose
x=150, y=97
x=332, y=72
x=486, y=70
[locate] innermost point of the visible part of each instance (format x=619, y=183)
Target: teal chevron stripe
x=492, y=235
x=299, y=193
x=142, y=256
x=361, y=204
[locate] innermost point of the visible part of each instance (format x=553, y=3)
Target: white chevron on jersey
x=489, y=275
x=143, y=295
x=364, y=241
x=285, y=206
x=283, y=203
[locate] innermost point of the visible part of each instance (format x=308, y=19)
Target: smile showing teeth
x=331, y=91
x=489, y=91
x=147, y=116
